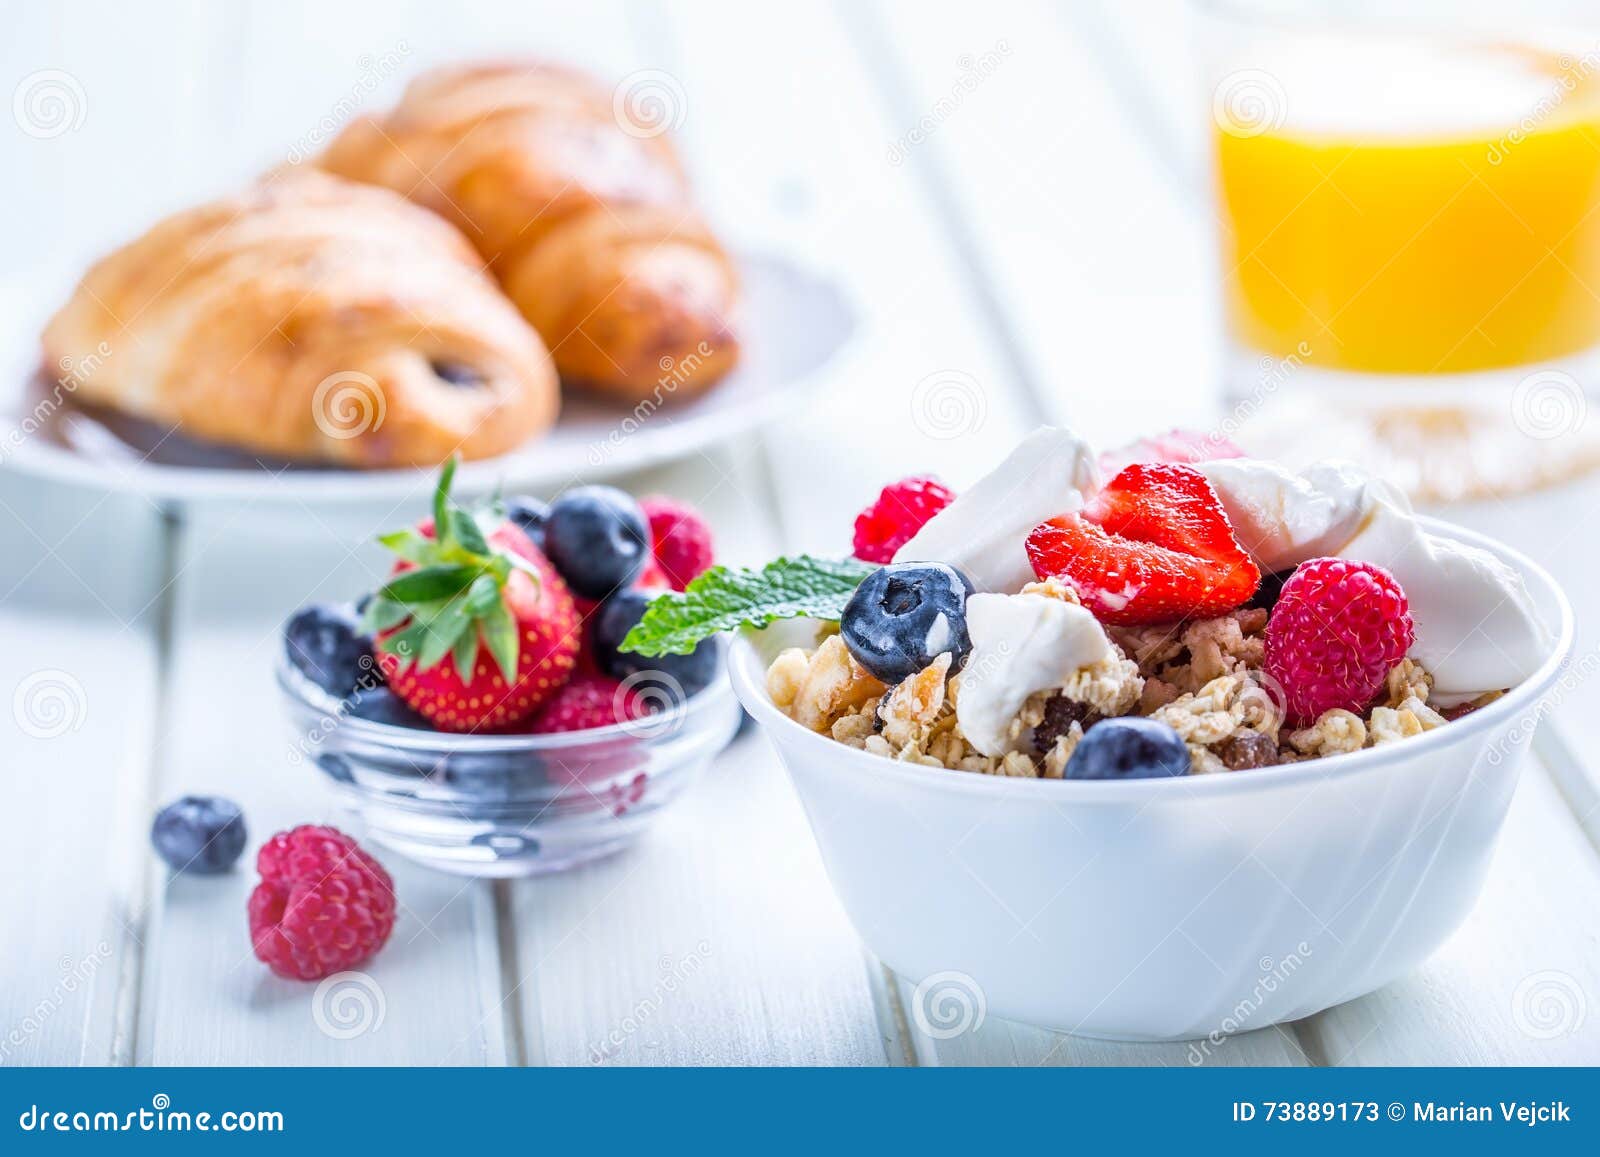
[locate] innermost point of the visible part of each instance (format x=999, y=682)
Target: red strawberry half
x=475, y=630
x=1152, y=546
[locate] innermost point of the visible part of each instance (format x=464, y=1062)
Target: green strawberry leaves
x=453, y=596
x=723, y=599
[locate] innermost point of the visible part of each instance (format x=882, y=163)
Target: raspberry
x=901, y=510
x=1337, y=630
x=682, y=541
x=588, y=701
x=323, y=904
x=654, y=578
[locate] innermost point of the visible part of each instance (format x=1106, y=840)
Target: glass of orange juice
x=1409, y=224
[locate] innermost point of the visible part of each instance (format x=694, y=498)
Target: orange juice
x=1416, y=210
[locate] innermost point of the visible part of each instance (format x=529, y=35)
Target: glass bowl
x=508, y=805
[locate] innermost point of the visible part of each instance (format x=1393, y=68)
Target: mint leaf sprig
x=724, y=599
x=453, y=596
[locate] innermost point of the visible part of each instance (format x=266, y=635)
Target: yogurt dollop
x=1020, y=644
x=1476, y=626
x=984, y=532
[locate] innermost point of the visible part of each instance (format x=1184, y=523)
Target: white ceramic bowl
x=1163, y=909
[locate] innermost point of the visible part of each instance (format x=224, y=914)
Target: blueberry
x=381, y=705
x=904, y=616
x=530, y=514
x=202, y=834
x=493, y=777
x=611, y=624
x=598, y=539
x=325, y=644
x=1129, y=747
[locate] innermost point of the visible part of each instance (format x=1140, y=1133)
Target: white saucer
x=796, y=321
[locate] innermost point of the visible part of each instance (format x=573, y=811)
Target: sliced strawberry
x=1168, y=505
x=1152, y=546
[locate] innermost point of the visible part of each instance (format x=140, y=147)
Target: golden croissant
x=582, y=213
x=316, y=319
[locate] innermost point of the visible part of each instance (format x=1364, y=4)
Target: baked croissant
x=311, y=318
x=583, y=215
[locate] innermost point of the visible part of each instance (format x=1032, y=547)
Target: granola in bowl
x=1208, y=615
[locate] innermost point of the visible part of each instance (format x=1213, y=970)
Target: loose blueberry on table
x=199, y=834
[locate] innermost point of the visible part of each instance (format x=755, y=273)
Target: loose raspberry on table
x=588, y=701
x=1339, y=626
x=323, y=905
x=680, y=539
x=902, y=509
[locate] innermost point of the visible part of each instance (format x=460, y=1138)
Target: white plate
x=796, y=321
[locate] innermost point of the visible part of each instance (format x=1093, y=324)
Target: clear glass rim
x=697, y=708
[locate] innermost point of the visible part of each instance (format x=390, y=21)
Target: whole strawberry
x=1338, y=628
x=323, y=905
x=475, y=631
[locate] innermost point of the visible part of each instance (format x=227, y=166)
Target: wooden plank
x=1519, y=984
x=432, y=996
x=927, y=387
x=1095, y=249
x=79, y=611
x=715, y=939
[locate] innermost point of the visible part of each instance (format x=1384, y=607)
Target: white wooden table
x=1034, y=246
